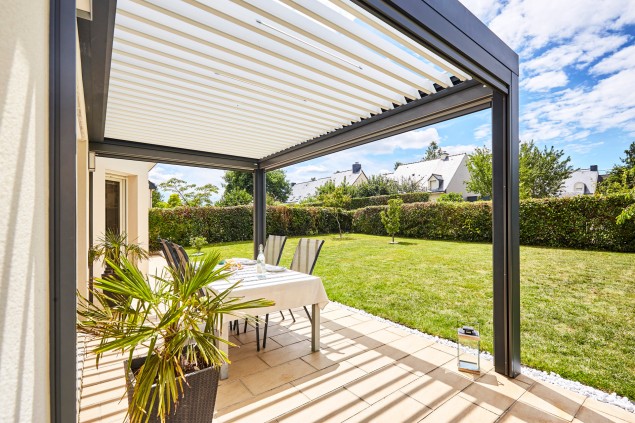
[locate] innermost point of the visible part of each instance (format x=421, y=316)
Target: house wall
x=461, y=176
x=24, y=164
x=137, y=200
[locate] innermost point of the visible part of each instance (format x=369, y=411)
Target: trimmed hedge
x=226, y=224
x=583, y=222
x=379, y=200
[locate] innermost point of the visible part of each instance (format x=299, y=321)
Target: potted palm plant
x=112, y=246
x=169, y=329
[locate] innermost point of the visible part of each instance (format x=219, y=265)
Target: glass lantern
x=469, y=335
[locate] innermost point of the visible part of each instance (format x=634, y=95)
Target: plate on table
x=271, y=268
x=243, y=261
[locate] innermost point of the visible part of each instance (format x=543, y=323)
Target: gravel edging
x=550, y=377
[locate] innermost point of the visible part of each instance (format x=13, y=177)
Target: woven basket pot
x=196, y=405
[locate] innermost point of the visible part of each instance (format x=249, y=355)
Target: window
x=434, y=184
x=115, y=204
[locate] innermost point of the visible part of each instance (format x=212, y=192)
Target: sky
x=577, y=65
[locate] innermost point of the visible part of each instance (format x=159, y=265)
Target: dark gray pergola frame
x=445, y=27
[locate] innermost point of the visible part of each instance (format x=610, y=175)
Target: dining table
x=287, y=288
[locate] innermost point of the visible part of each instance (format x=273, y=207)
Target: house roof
x=303, y=190
x=588, y=177
x=441, y=169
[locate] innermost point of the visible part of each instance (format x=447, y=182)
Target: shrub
x=378, y=200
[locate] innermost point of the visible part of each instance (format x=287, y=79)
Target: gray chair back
x=306, y=255
x=273, y=249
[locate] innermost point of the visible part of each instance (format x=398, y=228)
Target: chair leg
x=282, y=314
x=245, y=330
x=292, y=316
x=308, y=314
x=264, y=337
x=257, y=335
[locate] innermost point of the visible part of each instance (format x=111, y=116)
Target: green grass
x=578, y=307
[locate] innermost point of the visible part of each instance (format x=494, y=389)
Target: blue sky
x=577, y=91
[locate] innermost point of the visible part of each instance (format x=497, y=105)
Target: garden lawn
x=577, y=307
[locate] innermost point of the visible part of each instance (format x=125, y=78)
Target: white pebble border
x=550, y=377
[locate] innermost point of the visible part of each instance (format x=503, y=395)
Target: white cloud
x=545, y=81
x=459, y=149
x=413, y=140
x=485, y=10
x=619, y=61
x=161, y=173
x=483, y=132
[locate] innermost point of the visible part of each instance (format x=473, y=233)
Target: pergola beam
x=463, y=99
x=121, y=149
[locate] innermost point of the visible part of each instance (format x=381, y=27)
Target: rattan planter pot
x=198, y=400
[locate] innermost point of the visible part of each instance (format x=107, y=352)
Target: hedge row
x=225, y=224
x=380, y=200
x=583, y=222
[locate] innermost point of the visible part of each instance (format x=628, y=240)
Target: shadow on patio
x=366, y=371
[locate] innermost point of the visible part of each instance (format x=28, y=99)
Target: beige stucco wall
x=24, y=340
x=137, y=199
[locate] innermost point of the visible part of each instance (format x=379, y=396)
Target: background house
x=303, y=190
x=581, y=182
x=446, y=174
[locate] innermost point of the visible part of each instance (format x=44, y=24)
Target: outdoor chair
x=304, y=259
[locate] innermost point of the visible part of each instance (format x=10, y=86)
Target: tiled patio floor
x=367, y=371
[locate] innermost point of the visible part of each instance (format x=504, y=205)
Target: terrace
x=257, y=86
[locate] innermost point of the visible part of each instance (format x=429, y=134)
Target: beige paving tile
x=246, y=367
x=592, y=408
x=369, y=326
x=381, y=383
x=276, y=376
x=371, y=360
x=327, y=380
x=524, y=413
x=458, y=409
x=288, y=338
x=410, y=344
x=342, y=323
x=452, y=365
x=424, y=361
x=284, y=354
x=376, y=339
x=334, y=353
x=554, y=400
x=436, y=387
x=494, y=392
x=231, y=393
x=335, y=313
x=398, y=331
x=336, y=406
x=250, y=350
x=396, y=407
x=263, y=407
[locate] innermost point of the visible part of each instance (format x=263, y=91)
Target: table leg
x=224, y=369
x=315, y=328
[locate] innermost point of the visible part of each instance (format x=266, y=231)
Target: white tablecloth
x=289, y=289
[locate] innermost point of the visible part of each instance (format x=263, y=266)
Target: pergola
x=258, y=85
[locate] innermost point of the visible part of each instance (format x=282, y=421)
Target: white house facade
x=303, y=190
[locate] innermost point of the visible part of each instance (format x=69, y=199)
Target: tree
x=397, y=164
x=542, y=172
x=450, y=197
x=235, y=197
x=433, y=151
x=621, y=179
x=157, y=198
x=174, y=201
x=189, y=194
x=338, y=198
x=479, y=164
x=376, y=185
x=276, y=181
x=391, y=218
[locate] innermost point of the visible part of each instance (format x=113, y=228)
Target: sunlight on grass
x=577, y=307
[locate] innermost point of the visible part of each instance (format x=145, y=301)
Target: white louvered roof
x=251, y=78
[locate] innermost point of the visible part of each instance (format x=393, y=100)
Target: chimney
x=357, y=167
x=594, y=168
x=292, y=184
x=444, y=156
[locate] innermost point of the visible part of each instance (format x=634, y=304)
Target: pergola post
x=260, y=209
x=506, y=250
